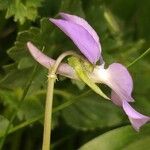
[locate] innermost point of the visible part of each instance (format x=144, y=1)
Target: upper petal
x=64, y=69
x=83, y=23
x=81, y=37
x=136, y=119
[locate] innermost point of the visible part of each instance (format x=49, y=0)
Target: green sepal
x=82, y=71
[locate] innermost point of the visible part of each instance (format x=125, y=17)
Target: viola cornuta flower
x=116, y=76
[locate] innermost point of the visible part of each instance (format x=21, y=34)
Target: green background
x=81, y=118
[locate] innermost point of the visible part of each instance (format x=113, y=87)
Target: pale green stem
x=48, y=112
x=49, y=100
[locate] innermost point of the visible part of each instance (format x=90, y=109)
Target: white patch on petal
x=110, y=78
x=100, y=74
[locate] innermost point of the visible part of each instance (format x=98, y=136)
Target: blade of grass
x=137, y=59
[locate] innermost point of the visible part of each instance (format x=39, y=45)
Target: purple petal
x=117, y=78
x=81, y=37
x=39, y=56
x=64, y=69
x=83, y=23
x=136, y=119
x=121, y=83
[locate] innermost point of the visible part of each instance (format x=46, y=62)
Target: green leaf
x=73, y=6
x=31, y=107
x=25, y=63
x=112, y=22
x=120, y=138
x=89, y=113
x=3, y=4
x=141, y=144
x=3, y=124
x=19, y=72
x=83, y=75
x=21, y=10
x=10, y=99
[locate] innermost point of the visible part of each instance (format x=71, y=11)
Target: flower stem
x=49, y=100
x=48, y=112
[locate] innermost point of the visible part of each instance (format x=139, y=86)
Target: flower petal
x=136, y=119
x=120, y=82
x=118, y=79
x=83, y=23
x=81, y=37
x=64, y=69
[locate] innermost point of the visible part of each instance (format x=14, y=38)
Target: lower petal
x=121, y=83
x=118, y=79
x=137, y=120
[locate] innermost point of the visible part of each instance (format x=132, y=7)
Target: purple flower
x=116, y=76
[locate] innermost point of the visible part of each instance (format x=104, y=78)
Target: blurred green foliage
x=78, y=115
